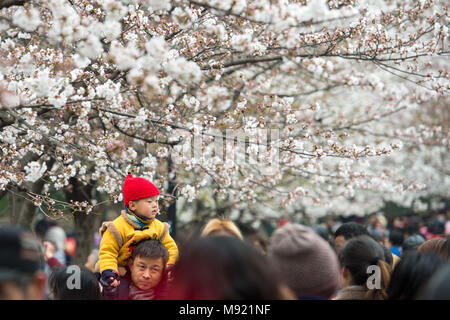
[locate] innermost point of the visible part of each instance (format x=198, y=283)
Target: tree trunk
x=26, y=210
x=172, y=211
x=85, y=225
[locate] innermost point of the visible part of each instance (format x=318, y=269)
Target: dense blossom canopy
x=354, y=95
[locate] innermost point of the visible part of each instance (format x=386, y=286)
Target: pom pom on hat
x=135, y=188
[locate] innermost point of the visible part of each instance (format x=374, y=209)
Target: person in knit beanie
x=304, y=261
x=136, y=222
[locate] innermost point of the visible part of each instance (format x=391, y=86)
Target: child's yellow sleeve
x=172, y=247
x=108, y=252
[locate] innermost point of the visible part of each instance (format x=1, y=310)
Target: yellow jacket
x=112, y=254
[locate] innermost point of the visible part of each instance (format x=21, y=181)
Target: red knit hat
x=137, y=188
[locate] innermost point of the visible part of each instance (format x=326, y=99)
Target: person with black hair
x=147, y=278
x=50, y=234
x=438, y=287
x=73, y=283
x=412, y=243
x=359, y=257
x=413, y=225
x=412, y=273
x=396, y=240
x=436, y=227
x=346, y=232
x=223, y=268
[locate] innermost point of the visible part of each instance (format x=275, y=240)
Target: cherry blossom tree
x=343, y=104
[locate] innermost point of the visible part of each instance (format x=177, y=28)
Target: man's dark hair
x=396, y=237
x=150, y=248
x=357, y=255
x=438, y=287
x=413, y=225
x=42, y=227
x=412, y=273
x=87, y=290
x=436, y=226
x=223, y=268
x=350, y=230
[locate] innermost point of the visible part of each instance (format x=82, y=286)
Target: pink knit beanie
x=304, y=261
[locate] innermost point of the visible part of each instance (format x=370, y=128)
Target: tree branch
x=10, y=3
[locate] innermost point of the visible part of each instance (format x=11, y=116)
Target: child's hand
x=115, y=283
x=109, y=278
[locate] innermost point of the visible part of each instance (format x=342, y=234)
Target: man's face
x=339, y=242
x=146, y=273
x=147, y=207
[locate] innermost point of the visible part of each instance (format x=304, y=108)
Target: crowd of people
x=137, y=259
